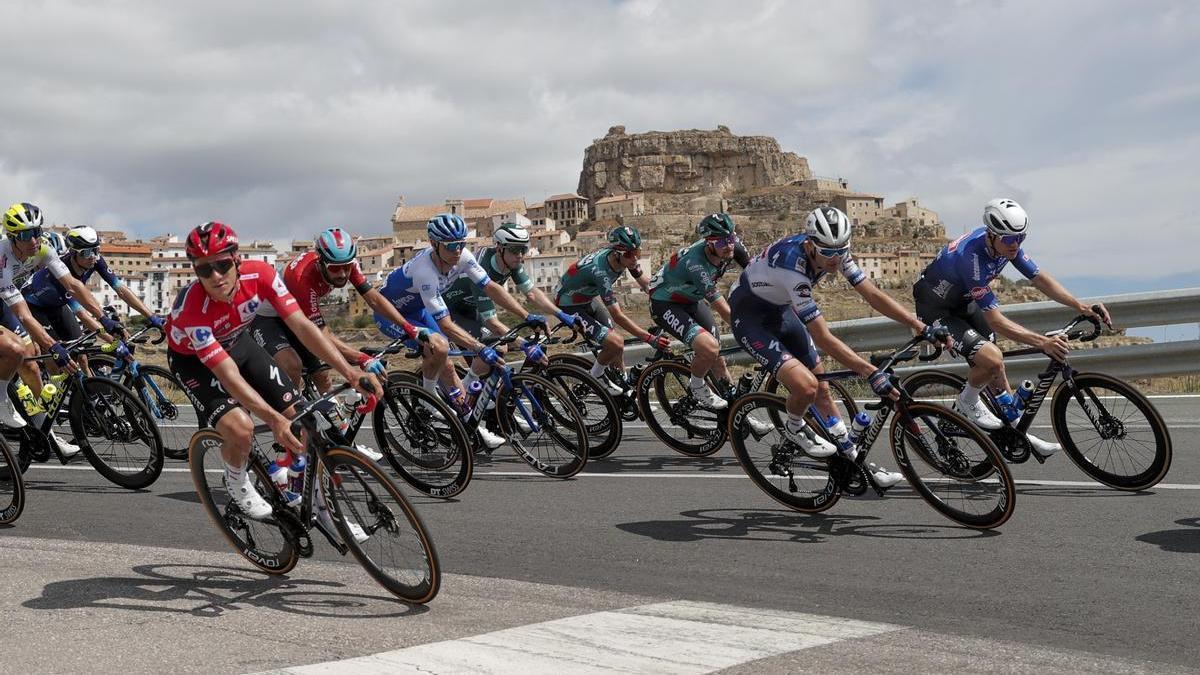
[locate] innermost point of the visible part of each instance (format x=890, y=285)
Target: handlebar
x=325, y=404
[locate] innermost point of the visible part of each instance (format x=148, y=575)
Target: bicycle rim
x=596, y=406
x=423, y=440
x=12, y=486
x=169, y=405
x=543, y=426
x=116, y=433
x=673, y=414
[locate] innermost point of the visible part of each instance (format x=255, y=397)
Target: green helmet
x=625, y=238
x=715, y=225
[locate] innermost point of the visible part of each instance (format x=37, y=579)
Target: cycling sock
x=696, y=382
x=234, y=475
x=468, y=379
x=795, y=423
x=597, y=369
x=970, y=394
x=430, y=386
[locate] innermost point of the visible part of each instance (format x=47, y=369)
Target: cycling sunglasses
x=88, y=252
x=26, y=235
x=339, y=267
x=722, y=242
x=518, y=250
x=833, y=252
x=206, y=270
x=1012, y=239
x=454, y=245
x=632, y=253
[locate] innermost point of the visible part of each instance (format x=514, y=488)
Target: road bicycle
x=397, y=551
x=1106, y=426
x=12, y=486
x=950, y=463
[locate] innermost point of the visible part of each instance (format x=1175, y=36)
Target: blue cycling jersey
x=44, y=290
x=418, y=284
x=964, y=268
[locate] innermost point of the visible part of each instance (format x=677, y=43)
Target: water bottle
x=858, y=425
x=1008, y=407
x=473, y=390
x=49, y=391
x=278, y=474
x=1023, y=393
x=744, y=383
x=837, y=431
x=456, y=403
x=296, y=474
x=345, y=410
x=25, y=395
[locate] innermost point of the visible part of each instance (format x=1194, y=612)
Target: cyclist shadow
x=61, y=486
x=188, y=496
x=617, y=464
x=207, y=591
x=1176, y=541
x=1074, y=492
x=787, y=526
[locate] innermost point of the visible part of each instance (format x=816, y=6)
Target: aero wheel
x=775, y=464
x=577, y=360
x=116, y=433
x=543, y=426
x=170, y=406
x=12, y=486
x=674, y=415
x=842, y=397
x=953, y=465
x=596, y=406
x=1112, y=431
x=392, y=545
x=422, y=439
x=263, y=543
x=934, y=386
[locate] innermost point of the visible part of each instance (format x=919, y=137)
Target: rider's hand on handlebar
x=1055, y=346
x=157, y=321
x=356, y=380
x=282, y=428
x=536, y=319
x=938, y=335
x=534, y=352
x=659, y=342
x=881, y=384
x=568, y=320
x=62, y=358
x=1099, y=311
x=490, y=356
x=371, y=364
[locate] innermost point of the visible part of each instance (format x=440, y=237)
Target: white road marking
x=671, y=637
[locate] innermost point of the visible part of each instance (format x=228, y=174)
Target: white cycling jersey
x=14, y=273
x=781, y=275
x=419, y=285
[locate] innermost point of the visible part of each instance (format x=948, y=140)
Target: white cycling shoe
x=369, y=452
x=978, y=414
x=882, y=477
x=360, y=535
x=67, y=449
x=812, y=444
x=1043, y=448
x=707, y=399
x=248, y=500
x=9, y=416
x=759, y=427
x=612, y=387
x=490, y=440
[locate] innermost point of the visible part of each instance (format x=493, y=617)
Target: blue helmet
x=335, y=246
x=446, y=227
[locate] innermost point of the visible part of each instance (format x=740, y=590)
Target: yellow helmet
x=22, y=216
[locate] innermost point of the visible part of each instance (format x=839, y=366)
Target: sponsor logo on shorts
x=979, y=293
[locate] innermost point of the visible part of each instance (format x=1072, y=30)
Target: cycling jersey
x=782, y=275
x=419, y=285
x=589, y=277
x=964, y=268
x=14, y=273
x=690, y=276
x=43, y=289
x=206, y=328
x=463, y=296
x=307, y=285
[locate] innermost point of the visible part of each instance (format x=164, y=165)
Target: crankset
x=629, y=408
x=850, y=476
x=293, y=529
x=1013, y=445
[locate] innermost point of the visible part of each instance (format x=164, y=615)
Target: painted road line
x=671, y=637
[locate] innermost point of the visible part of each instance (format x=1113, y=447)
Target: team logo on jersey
x=278, y=286
x=200, y=336
x=177, y=335
x=803, y=290
x=979, y=292
x=249, y=308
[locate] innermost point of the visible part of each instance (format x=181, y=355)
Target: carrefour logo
x=249, y=308
x=200, y=336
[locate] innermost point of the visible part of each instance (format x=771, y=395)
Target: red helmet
x=211, y=238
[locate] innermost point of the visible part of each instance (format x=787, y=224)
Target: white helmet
x=828, y=227
x=82, y=237
x=1005, y=217
x=511, y=234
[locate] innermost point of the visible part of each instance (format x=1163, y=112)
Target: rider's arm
x=232, y=381
x=89, y=322
x=505, y=299
x=884, y=304
x=133, y=301
x=1058, y=293
x=312, y=337
x=380, y=304
x=831, y=345
x=1005, y=327
x=457, y=335
x=623, y=320
x=33, y=326
x=721, y=307
x=82, y=295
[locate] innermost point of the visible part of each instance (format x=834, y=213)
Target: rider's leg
x=801, y=384
x=986, y=366
x=704, y=354
x=237, y=430
x=289, y=362
x=322, y=380
x=12, y=352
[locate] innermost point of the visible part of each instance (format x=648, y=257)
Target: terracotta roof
x=483, y=203
x=376, y=251
x=116, y=249
x=539, y=205
x=564, y=197
x=472, y=208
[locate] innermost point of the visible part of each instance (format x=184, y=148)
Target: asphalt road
x=1081, y=578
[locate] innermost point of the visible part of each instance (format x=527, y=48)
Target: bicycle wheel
x=543, y=426
x=674, y=415
x=12, y=486
x=953, y=465
x=116, y=433
x=398, y=552
x=595, y=405
x=422, y=439
x=169, y=405
x=843, y=399
x=1112, y=431
x=934, y=386
x=264, y=543
x=570, y=359
x=776, y=465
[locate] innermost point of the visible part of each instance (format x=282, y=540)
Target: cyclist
x=312, y=276
x=683, y=295
x=953, y=291
x=777, y=321
x=23, y=252
x=48, y=299
x=211, y=352
x=592, y=277
x=416, y=289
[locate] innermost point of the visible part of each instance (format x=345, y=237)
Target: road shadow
x=188, y=496
x=616, y=463
x=787, y=526
x=61, y=486
x=1099, y=491
x=1176, y=541
x=206, y=591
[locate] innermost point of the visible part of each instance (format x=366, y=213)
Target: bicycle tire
x=533, y=396
x=12, y=486
x=176, y=436
x=429, y=450
x=970, y=476
x=569, y=359
x=675, y=410
x=935, y=386
x=604, y=434
x=347, y=478
x=244, y=534
x=1159, y=462
x=769, y=468
x=114, y=413
x=837, y=390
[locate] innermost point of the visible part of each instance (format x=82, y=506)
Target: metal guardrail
x=1130, y=310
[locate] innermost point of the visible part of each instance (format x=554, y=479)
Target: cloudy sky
x=155, y=116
